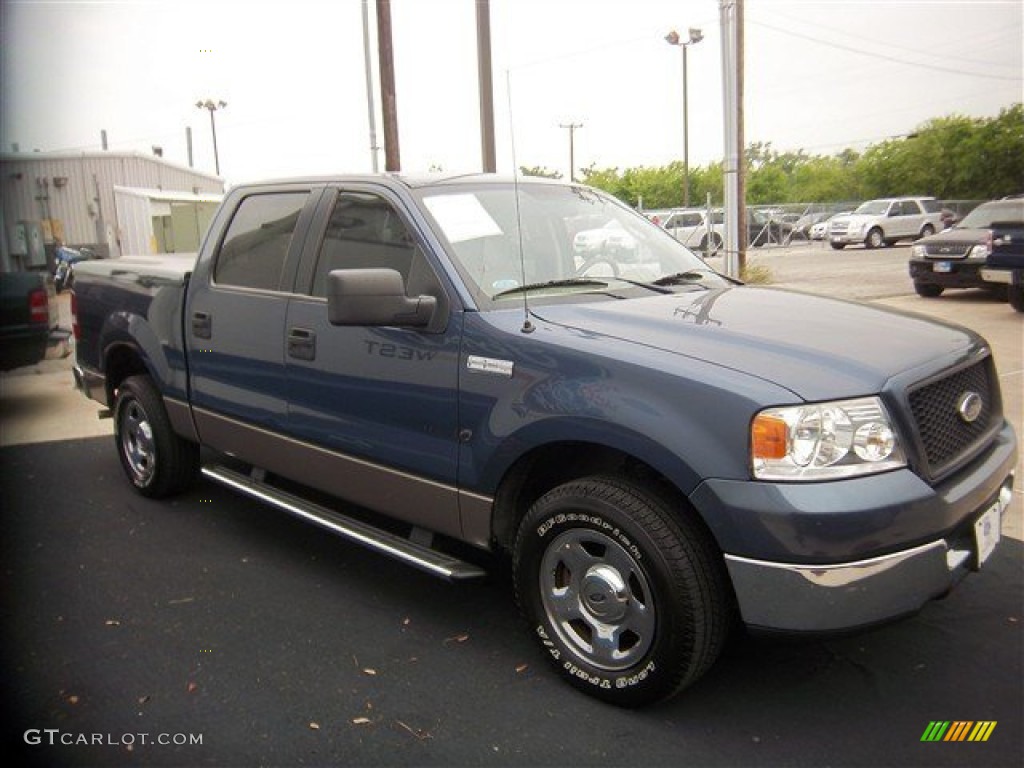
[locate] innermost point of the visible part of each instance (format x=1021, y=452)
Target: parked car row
x=704, y=232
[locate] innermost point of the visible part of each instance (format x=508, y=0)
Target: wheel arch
x=547, y=466
x=122, y=359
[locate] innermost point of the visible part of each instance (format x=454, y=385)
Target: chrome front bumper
x=825, y=598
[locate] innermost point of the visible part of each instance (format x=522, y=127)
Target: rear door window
x=257, y=241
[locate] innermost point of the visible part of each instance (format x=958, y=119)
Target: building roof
x=21, y=157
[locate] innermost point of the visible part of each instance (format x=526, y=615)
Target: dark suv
x=954, y=257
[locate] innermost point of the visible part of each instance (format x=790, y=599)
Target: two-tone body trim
x=422, y=502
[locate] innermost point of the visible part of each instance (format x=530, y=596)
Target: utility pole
x=368, y=66
x=733, y=162
x=572, y=147
x=389, y=106
x=741, y=180
x=483, y=45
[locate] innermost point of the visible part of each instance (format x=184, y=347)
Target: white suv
x=690, y=227
x=883, y=222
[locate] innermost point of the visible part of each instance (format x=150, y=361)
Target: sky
x=820, y=75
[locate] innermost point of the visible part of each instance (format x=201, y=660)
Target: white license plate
x=986, y=532
x=942, y=266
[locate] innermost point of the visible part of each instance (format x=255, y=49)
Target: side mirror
x=375, y=297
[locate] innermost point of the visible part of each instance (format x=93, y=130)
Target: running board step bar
x=414, y=554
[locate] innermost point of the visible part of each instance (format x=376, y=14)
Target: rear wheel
x=156, y=460
x=838, y=246
x=716, y=245
x=927, y=230
x=626, y=595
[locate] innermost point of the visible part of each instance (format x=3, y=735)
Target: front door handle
x=301, y=344
x=202, y=325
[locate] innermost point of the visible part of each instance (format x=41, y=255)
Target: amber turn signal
x=768, y=437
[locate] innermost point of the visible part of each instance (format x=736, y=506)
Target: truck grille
x=946, y=436
x=948, y=250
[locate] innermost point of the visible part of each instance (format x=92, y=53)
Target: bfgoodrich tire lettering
x=626, y=595
x=156, y=460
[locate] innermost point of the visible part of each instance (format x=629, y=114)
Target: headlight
x=979, y=252
x=824, y=441
x=918, y=252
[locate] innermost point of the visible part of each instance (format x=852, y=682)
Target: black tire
x=874, y=238
x=1016, y=296
x=156, y=460
x=927, y=230
x=716, y=245
x=928, y=290
x=602, y=553
x=838, y=246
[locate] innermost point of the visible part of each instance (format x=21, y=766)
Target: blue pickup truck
x=533, y=369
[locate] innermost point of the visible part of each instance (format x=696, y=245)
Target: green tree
x=952, y=157
x=539, y=170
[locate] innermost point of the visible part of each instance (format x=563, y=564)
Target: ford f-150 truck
x=28, y=319
x=1005, y=262
x=659, y=450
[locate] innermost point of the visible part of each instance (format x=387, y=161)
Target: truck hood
x=818, y=348
x=957, y=236
x=855, y=218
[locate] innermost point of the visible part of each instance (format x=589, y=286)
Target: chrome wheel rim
x=137, y=442
x=597, y=599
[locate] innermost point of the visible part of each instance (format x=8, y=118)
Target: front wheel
x=838, y=246
x=156, y=460
x=625, y=594
x=928, y=290
x=874, y=238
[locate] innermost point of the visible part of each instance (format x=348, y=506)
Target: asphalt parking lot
x=277, y=644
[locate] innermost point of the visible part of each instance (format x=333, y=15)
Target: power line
x=961, y=44
x=885, y=57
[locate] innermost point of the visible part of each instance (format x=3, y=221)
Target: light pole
x=672, y=38
x=213, y=107
x=572, y=147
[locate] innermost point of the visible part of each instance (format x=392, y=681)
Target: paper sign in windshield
x=462, y=217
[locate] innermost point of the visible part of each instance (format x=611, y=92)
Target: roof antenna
x=528, y=327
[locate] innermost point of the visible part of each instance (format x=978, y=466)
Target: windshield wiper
x=681, y=278
x=570, y=281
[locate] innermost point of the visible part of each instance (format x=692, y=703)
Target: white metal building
x=111, y=202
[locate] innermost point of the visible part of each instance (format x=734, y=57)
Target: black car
x=28, y=319
x=954, y=257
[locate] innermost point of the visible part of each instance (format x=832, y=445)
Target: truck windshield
x=873, y=208
x=556, y=242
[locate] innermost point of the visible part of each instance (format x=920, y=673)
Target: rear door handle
x=301, y=344
x=202, y=325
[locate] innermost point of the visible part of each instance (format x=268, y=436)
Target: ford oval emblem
x=969, y=406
